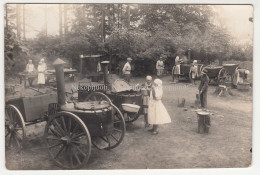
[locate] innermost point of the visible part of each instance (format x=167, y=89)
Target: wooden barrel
x=203, y=121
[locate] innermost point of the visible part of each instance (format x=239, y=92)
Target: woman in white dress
x=157, y=114
x=41, y=72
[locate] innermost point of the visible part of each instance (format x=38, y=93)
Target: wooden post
x=203, y=122
x=58, y=64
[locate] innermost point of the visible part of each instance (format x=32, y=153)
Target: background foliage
x=143, y=32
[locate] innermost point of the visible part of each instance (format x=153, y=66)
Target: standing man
x=194, y=71
x=30, y=70
x=127, y=70
x=159, y=67
x=203, y=88
x=177, y=70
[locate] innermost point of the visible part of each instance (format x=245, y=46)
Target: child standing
x=157, y=114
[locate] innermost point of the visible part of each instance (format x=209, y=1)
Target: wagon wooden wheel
x=68, y=140
x=222, y=76
x=14, y=128
x=114, y=138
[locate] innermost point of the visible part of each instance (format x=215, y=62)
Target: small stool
x=203, y=121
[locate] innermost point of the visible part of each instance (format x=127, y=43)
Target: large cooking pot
x=129, y=97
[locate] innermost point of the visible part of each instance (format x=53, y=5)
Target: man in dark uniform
x=203, y=88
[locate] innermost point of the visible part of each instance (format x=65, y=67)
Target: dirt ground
x=178, y=144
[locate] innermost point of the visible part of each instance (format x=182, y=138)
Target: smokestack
x=105, y=70
x=58, y=64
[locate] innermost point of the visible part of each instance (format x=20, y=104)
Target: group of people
x=127, y=68
x=203, y=87
x=153, y=109
x=41, y=69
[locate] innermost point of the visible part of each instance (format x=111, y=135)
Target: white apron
x=157, y=114
x=177, y=70
x=41, y=75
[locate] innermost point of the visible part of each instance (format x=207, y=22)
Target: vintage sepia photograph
x=116, y=86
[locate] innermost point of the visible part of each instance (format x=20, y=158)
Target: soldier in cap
x=203, y=88
x=127, y=70
x=160, y=67
x=177, y=70
x=194, y=71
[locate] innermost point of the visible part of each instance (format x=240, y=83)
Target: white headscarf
x=158, y=82
x=149, y=77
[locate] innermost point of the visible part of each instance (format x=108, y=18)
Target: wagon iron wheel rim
x=222, y=76
x=68, y=140
x=113, y=139
x=14, y=128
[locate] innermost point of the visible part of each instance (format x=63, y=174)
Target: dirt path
x=178, y=145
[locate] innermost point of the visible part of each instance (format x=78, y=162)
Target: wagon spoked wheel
x=14, y=128
x=97, y=96
x=222, y=76
x=68, y=140
x=114, y=138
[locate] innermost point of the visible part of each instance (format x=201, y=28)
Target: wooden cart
x=71, y=128
x=221, y=74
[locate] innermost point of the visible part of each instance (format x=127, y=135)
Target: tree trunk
x=118, y=15
x=128, y=16
x=103, y=24
x=65, y=19
x=18, y=21
x=109, y=15
x=60, y=19
x=121, y=19
x=203, y=123
x=24, y=37
x=114, y=19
